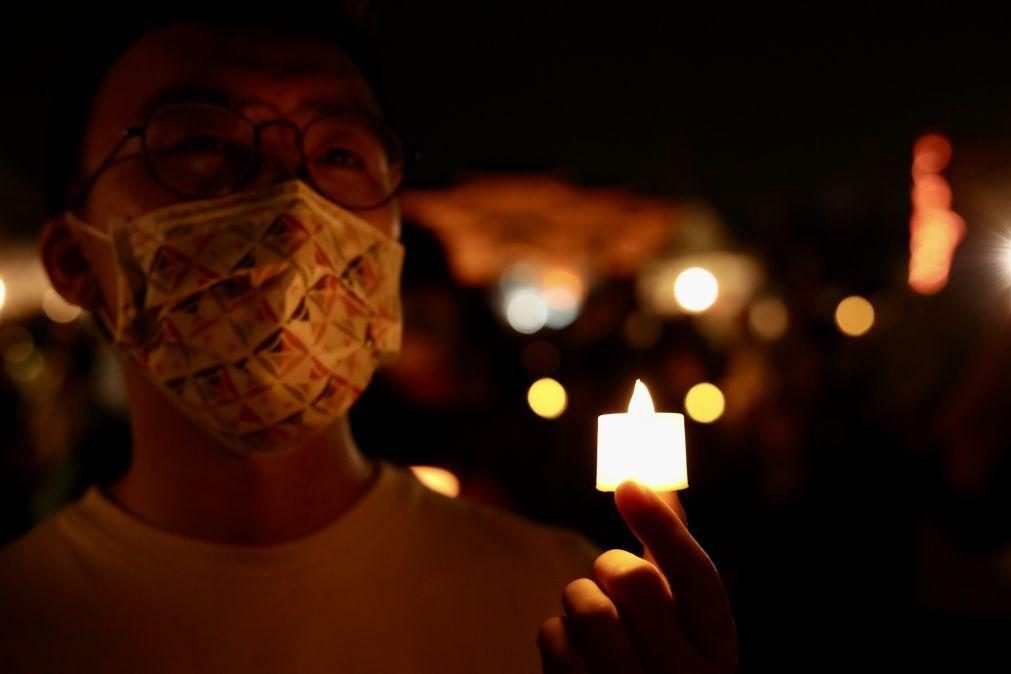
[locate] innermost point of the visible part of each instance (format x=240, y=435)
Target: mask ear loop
x=87, y=228
x=104, y=326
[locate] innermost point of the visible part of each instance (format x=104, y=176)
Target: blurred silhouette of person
x=232, y=227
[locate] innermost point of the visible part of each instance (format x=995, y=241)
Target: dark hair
x=93, y=50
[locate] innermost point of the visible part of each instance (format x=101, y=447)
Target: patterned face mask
x=262, y=315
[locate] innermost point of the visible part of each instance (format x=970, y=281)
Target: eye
x=341, y=157
x=197, y=144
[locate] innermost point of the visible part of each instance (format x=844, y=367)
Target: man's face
x=262, y=76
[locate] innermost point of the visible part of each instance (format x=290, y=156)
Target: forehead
x=291, y=75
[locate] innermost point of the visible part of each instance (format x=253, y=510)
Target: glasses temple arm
x=80, y=194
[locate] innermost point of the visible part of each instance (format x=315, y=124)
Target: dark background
x=880, y=534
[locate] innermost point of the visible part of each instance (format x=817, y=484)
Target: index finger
x=703, y=604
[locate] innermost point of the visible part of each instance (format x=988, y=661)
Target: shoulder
x=34, y=571
x=52, y=564
x=36, y=551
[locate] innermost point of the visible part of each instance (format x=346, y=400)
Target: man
x=285, y=549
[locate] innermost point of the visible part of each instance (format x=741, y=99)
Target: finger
x=703, y=605
x=558, y=654
x=672, y=500
x=647, y=609
x=597, y=631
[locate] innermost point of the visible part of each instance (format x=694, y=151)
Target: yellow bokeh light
x=547, y=398
x=704, y=402
x=26, y=370
x=854, y=316
x=57, y=308
x=19, y=351
x=566, y=280
x=696, y=289
x=438, y=480
x=3, y=293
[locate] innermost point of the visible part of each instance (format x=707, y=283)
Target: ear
x=67, y=266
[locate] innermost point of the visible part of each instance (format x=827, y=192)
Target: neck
x=183, y=480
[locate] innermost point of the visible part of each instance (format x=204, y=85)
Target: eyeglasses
x=204, y=150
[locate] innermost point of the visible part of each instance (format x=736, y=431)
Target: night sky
x=769, y=116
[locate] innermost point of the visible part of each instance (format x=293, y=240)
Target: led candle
x=641, y=444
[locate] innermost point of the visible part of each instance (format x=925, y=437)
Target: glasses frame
x=388, y=136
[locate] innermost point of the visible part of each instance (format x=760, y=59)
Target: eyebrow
x=184, y=93
x=195, y=93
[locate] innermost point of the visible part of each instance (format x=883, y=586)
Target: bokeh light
x=57, y=308
x=17, y=344
x=768, y=318
x=562, y=291
x=696, y=289
x=23, y=362
x=3, y=293
x=438, y=480
x=26, y=369
x=525, y=310
x=934, y=229
x=534, y=296
x=705, y=403
x=547, y=398
x=18, y=352
x=1004, y=257
x=562, y=305
x=854, y=316
x=931, y=154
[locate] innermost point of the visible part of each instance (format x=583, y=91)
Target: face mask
x=262, y=315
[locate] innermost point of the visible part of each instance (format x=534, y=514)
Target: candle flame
x=641, y=402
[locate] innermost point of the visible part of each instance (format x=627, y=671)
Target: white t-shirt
x=406, y=581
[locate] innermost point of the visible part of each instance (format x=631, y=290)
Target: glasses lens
x=199, y=150
x=355, y=160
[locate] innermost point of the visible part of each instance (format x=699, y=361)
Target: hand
x=665, y=613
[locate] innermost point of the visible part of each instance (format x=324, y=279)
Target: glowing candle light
x=641, y=444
